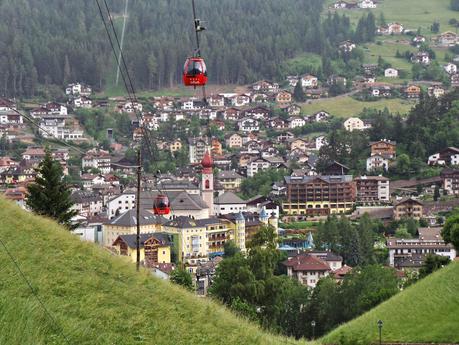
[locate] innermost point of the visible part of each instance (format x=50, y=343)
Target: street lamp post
x=313, y=325
x=380, y=324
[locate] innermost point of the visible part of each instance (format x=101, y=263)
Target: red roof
x=306, y=262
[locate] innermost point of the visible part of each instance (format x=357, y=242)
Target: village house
x=232, y=114
x=248, y=125
x=391, y=73
x=126, y=224
x=155, y=248
x=448, y=39
x=228, y=202
x=234, y=141
x=450, y=68
x=377, y=162
x=299, y=144
x=418, y=40
x=340, y=4
x=355, y=124
x=309, y=268
x=436, y=91
x=217, y=101
x=320, y=116
x=309, y=81
x=82, y=102
x=320, y=141
x=175, y=145
x=7, y=163
x=390, y=29
x=295, y=122
x=347, y=46
x=284, y=97
x=450, y=181
x=230, y=180
x=216, y=147
x=412, y=91
x=276, y=123
x=455, y=80
x=411, y=253
x=259, y=164
x=372, y=189
x=240, y=100
x=284, y=137
x=369, y=69
x=97, y=159
x=293, y=110
x=258, y=113
x=336, y=80
x=367, y=4
x=408, y=208
x=422, y=58
x=448, y=156
x=11, y=118
x=197, y=149
x=383, y=147
x=87, y=203
x=78, y=89
x=265, y=86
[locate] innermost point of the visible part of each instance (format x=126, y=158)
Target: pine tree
x=298, y=93
x=49, y=195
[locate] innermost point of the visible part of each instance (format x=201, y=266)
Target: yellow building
x=125, y=224
x=154, y=248
x=175, y=146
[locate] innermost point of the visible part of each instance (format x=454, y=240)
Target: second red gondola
x=195, y=72
x=161, y=205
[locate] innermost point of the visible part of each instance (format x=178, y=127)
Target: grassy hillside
x=426, y=312
x=347, y=106
x=98, y=298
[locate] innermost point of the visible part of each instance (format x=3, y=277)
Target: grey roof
x=325, y=178
x=131, y=240
x=183, y=222
x=228, y=198
x=128, y=219
x=180, y=200
x=228, y=174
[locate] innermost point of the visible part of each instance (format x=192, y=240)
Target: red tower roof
x=207, y=162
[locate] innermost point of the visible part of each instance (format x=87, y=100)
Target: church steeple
x=207, y=181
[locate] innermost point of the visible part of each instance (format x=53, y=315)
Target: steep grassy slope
x=97, y=298
x=427, y=312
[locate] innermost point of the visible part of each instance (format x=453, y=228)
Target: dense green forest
x=52, y=42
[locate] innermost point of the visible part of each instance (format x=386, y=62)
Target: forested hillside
x=54, y=41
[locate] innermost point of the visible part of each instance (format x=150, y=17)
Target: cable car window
x=194, y=68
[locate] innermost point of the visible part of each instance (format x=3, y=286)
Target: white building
x=227, y=203
x=295, y=122
x=78, y=89
x=367, y=4
x=309, y=81
x=412, y=252
x=120, y=204
x=355, y=124
x=450, y=68
x=97, y=159
x=248, y=125
x=320, y=141
x=391, y=73
x=377, y=162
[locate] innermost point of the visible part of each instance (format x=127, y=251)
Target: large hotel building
x=319, y=195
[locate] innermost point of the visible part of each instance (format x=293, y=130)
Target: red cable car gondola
x=195, y=72
x=161, y=205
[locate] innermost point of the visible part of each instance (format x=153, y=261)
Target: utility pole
x=139, y=179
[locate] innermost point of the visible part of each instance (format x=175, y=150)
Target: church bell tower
x=207, y=182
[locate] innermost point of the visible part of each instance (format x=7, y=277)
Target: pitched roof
x=306, y=262
x=228, y=198
x=183, y=222
x=128, y=219
x=131, y=240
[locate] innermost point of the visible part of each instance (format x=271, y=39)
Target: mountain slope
x=427, y=312
x=98, y=298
